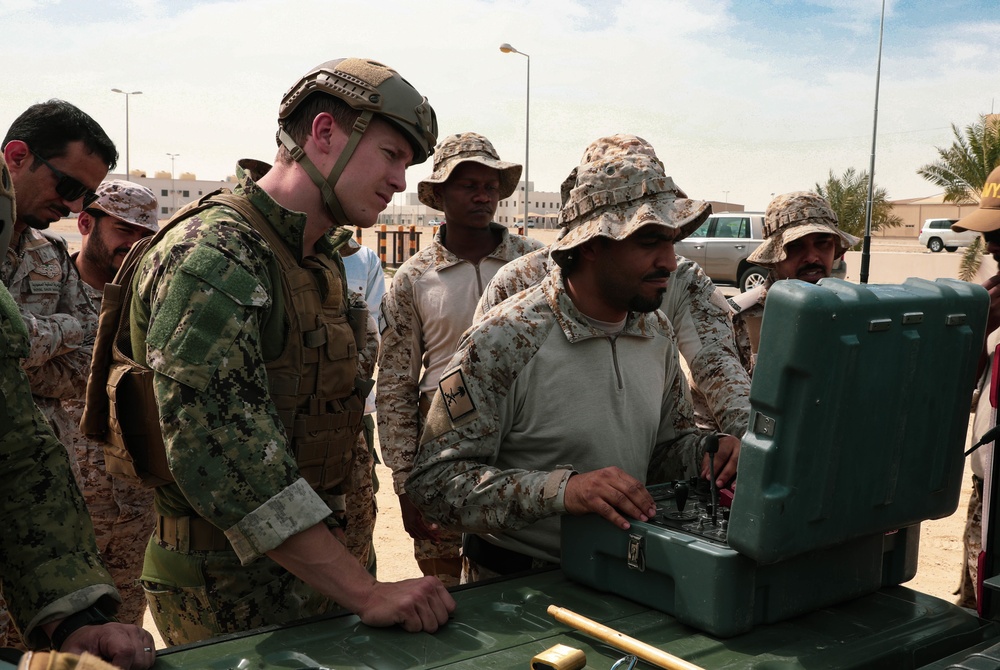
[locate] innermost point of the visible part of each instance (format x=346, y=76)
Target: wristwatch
x=91, y=616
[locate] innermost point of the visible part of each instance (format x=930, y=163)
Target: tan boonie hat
x=457, y=149
x=132, y=203
x=792, y=216
x=619, y=187
x=986, y=219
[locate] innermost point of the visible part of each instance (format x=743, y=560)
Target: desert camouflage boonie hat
x=792, y=216
x=466, y=147
x=619, y=187
x=986, y=218
x=132, y=203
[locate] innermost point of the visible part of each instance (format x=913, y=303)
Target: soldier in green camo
x=241, y=311
x=567, y=397
x=56, y=588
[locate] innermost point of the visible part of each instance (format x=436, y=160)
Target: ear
x=322, y=130
x=587, y=250
x=85, y=223
x=17, y=155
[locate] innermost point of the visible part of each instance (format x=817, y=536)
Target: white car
x=937, y=235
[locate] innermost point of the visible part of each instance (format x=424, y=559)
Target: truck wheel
x=935, y=244
x=752, y=277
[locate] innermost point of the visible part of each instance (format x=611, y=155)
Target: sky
x=740, y=99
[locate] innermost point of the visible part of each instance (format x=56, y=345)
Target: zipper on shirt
x=614, y=357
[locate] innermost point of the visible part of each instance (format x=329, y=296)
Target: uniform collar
x=504, y=251
x=289, y=225
x=575, y=325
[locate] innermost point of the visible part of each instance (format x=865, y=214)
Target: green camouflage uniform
x=535, y=393
x=700, y=317
x=122, y=511
x=51, y=570
x=61, y=322
x=200, y=318
x=428, y=306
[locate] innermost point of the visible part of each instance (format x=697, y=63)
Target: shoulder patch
x=455, y=394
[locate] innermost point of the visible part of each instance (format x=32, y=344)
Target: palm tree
x=961, y=170
x=848, y=196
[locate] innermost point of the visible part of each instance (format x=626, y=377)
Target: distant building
x=543, y=210
x=172, y=194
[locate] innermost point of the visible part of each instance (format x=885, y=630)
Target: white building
x=543, y=210
x=172, y=194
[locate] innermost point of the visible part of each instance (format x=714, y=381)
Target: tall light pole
x=508, y=49
x=128, y=173
x=173, y=187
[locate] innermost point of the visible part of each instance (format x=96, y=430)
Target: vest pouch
x=325, y=444
x=134, y=444
x=358, y=316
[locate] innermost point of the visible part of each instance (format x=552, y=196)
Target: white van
x=937, y=235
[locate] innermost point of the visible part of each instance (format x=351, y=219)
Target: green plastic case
x=860, y=404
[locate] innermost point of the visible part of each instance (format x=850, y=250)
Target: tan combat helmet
x=7, y=208
x=368, y=86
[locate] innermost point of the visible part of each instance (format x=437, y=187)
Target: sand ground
x=940, y=540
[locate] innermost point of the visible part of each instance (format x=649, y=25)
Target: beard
x=643, y=305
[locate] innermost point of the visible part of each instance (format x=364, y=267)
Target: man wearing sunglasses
x=57, y=156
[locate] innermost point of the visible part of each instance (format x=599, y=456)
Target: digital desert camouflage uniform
x=515, y=416
x=700, y=317
x=420, y=332
x=215, y=263
x=61, y=322
x=788, y=217
x=52, y=573
x=748, y=310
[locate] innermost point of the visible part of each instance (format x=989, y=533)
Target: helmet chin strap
x=326, y=186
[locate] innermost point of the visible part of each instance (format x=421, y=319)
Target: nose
x=667, y=258
x=75, y=206
x=397, y=178
x=481, y=194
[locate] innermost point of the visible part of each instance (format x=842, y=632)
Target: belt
x=499, y=560
x=190, y=533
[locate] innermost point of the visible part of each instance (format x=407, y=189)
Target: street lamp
x=508, y=49
x=173, y=188
x=126, y=94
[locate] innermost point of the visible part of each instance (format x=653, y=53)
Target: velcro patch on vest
x=455, y=394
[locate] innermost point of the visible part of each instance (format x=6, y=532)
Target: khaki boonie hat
x=457, y=149
x=986, y=219
x=619, y=187
x=792, y=216
x=132, y=203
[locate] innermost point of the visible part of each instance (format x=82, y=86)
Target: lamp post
x=173, y=187
x=128, y=173
x=508, y=49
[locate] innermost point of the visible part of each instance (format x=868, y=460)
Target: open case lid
x=860, y=405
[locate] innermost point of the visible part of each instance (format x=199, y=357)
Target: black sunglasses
x=67, y=187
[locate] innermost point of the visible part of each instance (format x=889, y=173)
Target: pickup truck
x=840, y=464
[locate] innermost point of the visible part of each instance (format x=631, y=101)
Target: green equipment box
x=504, y=623
x=860, y=405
